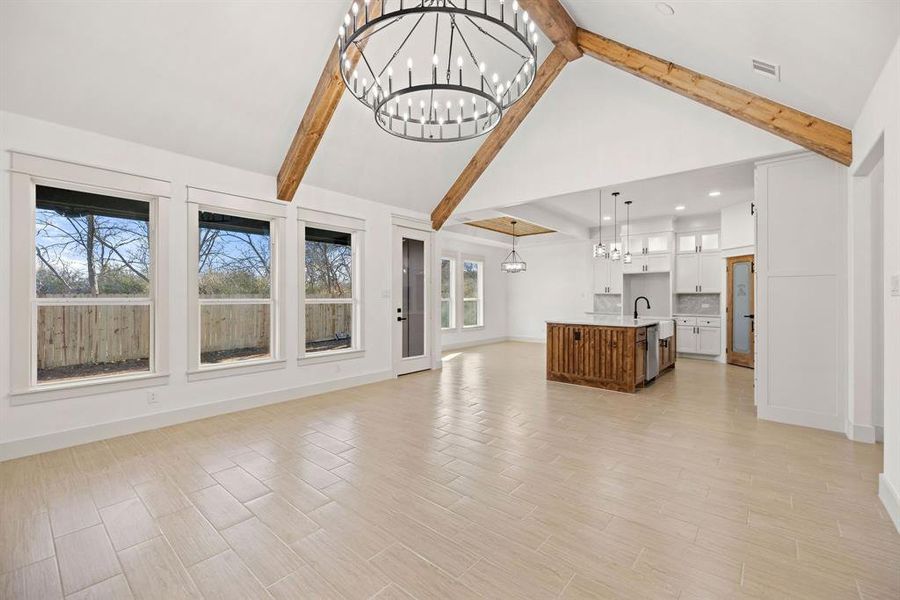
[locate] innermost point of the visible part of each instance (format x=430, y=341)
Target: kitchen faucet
x=635, y=304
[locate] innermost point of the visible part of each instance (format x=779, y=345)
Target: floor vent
x=767, y=69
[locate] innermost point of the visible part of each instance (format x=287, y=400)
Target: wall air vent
x=767, y=69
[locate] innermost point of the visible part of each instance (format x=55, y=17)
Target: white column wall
x=879, y=123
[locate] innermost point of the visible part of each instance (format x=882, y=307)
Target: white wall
x=557, y=285
x=32, y=427
x=495, y=284
x=802, y=292
x=738, y=226
x=879, y=123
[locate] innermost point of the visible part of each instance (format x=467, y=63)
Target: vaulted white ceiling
x=228, y=82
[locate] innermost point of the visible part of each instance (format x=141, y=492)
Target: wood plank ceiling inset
x=504, y=225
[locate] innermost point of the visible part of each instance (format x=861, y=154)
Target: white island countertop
x=608, y=321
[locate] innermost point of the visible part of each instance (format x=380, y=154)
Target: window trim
x=462, y=299
x=26, y=173
x=453, y=264
x=357, y=229
x=204, y=200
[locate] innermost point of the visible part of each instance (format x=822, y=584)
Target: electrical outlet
x=151, y=398
x=895, y=285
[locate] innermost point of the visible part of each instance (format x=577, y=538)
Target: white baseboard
x=890, y=498
x=879, y=434
x=102, y=431
x=866, y=434
x=473, y=343
x=530, y=340
x=802, y=418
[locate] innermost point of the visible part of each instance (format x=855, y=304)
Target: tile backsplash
x=697, y=304
x=608, y=304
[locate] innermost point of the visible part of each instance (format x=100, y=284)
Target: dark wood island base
x=603, y=356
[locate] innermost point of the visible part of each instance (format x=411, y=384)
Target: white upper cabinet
x=698, y=241
x=698, y=273
x=687, y=243
x=687, y=273
x=650, y=243
x=709, y=241
x=710, y=280
x=658, y=244
x=607, y=276
x=615, y=276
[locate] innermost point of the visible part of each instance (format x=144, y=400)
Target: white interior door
x=411, y=314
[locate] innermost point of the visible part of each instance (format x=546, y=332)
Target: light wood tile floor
x=478, y=481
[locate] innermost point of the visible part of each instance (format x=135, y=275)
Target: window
x=234, y=286
x=330, y=289
x=448, y=289
x=92, y=288
x=473, y=294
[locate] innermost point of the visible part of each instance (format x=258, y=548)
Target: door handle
x=401, y=318
x=748, y=316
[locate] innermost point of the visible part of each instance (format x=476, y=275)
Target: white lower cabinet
x=698, y=335
x=685, y=340
x=709, y=340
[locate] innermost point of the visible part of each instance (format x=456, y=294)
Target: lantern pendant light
x=616, y=252
x=627, y=257
x=600, y=251
x=513, y=262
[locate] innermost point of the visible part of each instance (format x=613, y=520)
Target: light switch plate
x=895, y=285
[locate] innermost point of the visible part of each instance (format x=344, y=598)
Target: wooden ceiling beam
x=318, y=115
x=803, y=129
x=556, y=24
x=495, y=140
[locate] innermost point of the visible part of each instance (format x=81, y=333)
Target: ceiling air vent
x=767, y=69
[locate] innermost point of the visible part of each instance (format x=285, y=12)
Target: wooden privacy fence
x=234, y=326
x=328, y=321
x=80, y=334
x=91, y=334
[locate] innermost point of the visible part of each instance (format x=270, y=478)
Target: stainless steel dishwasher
x=652, y=352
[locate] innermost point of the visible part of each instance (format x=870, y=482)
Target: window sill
x=472, y=327
x=327, y=357
x=92, y=387
x=206, y=373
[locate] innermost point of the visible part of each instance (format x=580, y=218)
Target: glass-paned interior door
x=740, y=311
x=413, y=298
x=411, y=316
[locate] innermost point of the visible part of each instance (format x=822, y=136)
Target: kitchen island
x=607, y=352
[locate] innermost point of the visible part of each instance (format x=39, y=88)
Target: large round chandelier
x=438, y=70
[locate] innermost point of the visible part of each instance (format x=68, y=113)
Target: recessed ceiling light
x=715, y=193
x=665, y=9
x=607, y=218
x=679, y=207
